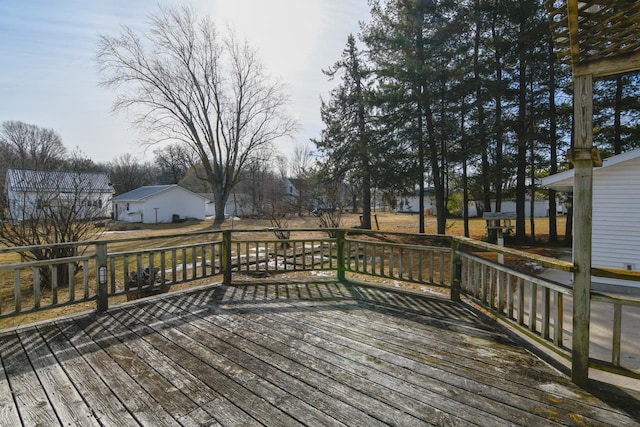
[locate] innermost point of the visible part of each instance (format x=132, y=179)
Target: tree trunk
x=521, y=155
x=553, y=142
x=220, y=202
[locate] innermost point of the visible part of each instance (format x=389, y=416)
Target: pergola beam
x=610, y=66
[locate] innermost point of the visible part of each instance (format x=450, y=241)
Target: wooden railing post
x=340, y=236
x=456, y=270
x=582, y=233
x=102, y=302
x=226, y=257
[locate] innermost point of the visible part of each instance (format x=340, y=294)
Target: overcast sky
x=48, y=73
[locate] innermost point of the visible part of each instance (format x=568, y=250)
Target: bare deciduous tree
x=127, y=174
x=173, y=161
x=189, y=84
x=31, y=147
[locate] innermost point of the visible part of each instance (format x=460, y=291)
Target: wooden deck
x=319, y=353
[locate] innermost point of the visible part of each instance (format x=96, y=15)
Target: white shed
x=616, y=212
x=156, y=204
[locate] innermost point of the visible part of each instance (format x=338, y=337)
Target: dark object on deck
x=145, y=285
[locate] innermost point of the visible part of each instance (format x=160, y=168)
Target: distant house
x=292, y=187
x=31, y=193
x=410, y=203
x=159, y=204
x=540, y=207
x=616, y=211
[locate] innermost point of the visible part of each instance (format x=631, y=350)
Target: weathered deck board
x=285, y=354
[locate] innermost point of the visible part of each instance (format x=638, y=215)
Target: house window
x=127, y=206
x=100, y=203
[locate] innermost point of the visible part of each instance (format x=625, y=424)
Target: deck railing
x=489, y=275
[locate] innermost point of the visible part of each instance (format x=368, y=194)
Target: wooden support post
x=102, y=301
x=582, y=199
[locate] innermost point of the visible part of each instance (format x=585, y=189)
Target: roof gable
x=34, y=181
x=563, y=181
x=148, y=191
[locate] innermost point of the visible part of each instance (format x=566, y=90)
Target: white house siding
x=129, y=211
x=159, y=204
x=412, y=204
x=616, y=218
x=174, y=201
x=540, y=208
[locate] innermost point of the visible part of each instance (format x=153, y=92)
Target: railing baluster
x=431, y=266
x=495, y=285
x=304, y=256
x=500, y=292
x=441, y=268
x=238, y=258
x=85, y=278
x=374, y=253
x=112, y=274
x=483, y=283
x=476, y=279
x=72, y=282
x=509, y=296
x=139, y=270
x=163, y=268
x=617, y=333
x=152, y=275
x=559, y=319
x=533, y=306
x=203, y=260
x=520, y=301
x=18, y=291
x=546, y=311
x=411, y=264
x=174, y=266
x=54, y=284
x=295, y=257
x=36, y=288
x=184, y=264
x=194, y=263
x=125, y=269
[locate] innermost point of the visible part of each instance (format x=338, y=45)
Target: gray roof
x=143, y=193
x=563, y=181
x=26, y=180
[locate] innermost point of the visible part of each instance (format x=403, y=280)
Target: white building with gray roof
x=32, y=194
x=155, y=204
